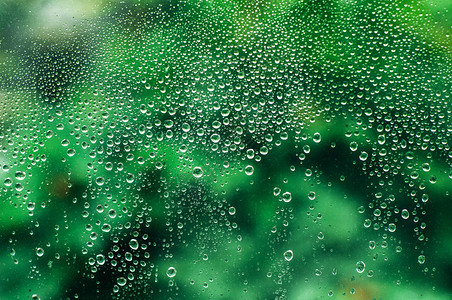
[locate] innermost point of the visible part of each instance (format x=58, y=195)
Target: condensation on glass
x=225, y=149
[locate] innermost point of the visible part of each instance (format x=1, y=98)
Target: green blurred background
x=225, y=149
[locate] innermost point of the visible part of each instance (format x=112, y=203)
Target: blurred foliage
x=262, y=149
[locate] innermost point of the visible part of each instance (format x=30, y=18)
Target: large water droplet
x=20, y=175
x=317, y=137
x=171, y=272
x=249, y=170
x=288, y=255
x=197, y=172
x=360, y=266
x=287, y=197
x=133, y=244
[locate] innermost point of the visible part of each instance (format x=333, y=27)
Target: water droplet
x=391, y=227
x=409, y=155
x=197, y=172
x=287, y=196
x=232, y=210
x=405, y=214
x=424, y=198
x=317, y=137
x=250, y=153
x=70, y=152
x=128, y=256
x=421, y=259
x=100, y=259
x=31, y=206
x=353, y=146
x=100, y=181
x=8, y=182
x=215, y=138
x=49, y=134
x=112, y=213
x=360, y=266
x=121, y=281
x=20, y=175
x=133, y=244
x=106, y=227
x=426, y=167
x=39, y=252
x=249, y=170
x=363, y=156
x=130, y=178
x=288, y=255
x=311, y=195
x=171, y=272
x=19, y=187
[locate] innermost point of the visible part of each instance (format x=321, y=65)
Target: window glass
x=206, y=149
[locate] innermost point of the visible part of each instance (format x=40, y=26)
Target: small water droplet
x=288, y=255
